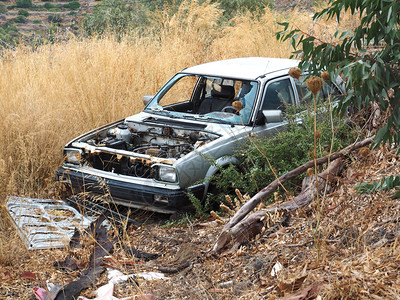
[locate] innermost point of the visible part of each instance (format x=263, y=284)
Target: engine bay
x=131, y=148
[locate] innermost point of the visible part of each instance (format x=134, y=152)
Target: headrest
x=227, y=91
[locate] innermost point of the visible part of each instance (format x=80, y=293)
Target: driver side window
x=180, y=92
x=278, y=95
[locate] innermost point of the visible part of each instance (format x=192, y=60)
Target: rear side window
x=278, y=95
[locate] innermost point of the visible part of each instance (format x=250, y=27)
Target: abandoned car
x=185, y=133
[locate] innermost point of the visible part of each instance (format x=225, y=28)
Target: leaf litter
x=346, y=247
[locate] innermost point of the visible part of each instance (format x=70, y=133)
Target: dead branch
x=234, y=230
x=249, y=228
x=265, y=192
x=309, y=191
x=255, y=224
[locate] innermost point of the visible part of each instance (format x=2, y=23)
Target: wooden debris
x=308, y=193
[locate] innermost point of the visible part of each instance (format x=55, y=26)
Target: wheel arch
x=221, y=162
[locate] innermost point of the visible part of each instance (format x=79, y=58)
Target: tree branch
x=265, y=192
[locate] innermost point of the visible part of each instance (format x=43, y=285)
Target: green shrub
x=24, y=3
x=116, y=16
x=48, y=5
x=3, y=8
x=234, y=7
x=371, y=74
x=285, y=151
x=9, y=35
x=37, y=21
x=55, y=19
x=73, y=5
x=385, y=184
x=230, y=7
x=23, y=12
x=38, y=8
x=20, y=19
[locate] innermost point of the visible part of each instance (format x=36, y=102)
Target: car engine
x=132, y=150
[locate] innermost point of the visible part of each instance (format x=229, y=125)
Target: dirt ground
x=344, y=248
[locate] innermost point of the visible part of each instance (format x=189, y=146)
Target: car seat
x=218, y=100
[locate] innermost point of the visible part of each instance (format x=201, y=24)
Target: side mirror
x=260, y=119
x=273, y=115
x=147, y=99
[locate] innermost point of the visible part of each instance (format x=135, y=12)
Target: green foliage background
x=120, y=16
x=3, y=8
x=24, y=3
x=115, y=16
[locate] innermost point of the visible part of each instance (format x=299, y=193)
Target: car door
x=277, y=95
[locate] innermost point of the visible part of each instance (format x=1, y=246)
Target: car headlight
x=166, y=173
x=73, y=156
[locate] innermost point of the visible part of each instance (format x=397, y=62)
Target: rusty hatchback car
x=186, y=132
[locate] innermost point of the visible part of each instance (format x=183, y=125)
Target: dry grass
x=59, y=91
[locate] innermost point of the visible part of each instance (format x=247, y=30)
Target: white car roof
x=249, y=68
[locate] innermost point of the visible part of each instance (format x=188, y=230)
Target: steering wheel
x=230, y=107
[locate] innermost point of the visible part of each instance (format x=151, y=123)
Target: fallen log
x=256, y=223
x=238, y=223
x=309, y=190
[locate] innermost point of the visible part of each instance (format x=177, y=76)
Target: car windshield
x=209, y=98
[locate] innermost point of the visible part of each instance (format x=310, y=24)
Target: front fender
x=215, y=167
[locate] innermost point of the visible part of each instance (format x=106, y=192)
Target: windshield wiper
x=202, y=117
x=160, y=111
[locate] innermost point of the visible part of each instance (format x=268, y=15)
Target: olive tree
x=367, y=57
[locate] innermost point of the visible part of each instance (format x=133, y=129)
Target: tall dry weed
x=59, y=91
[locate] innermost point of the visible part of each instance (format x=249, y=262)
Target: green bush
x=116, y=16
x=24, y=3
x=55, y=19
x=234, y=7
x=230, y=7
x=9, y=35
x=20, y=19
x=37, y=8
x=73, y=5
x=37, y=21
x=285, y=151
x=48, y=5
x=23, y=12
x=3, y=8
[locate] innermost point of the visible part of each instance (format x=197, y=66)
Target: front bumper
x=164, y=198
